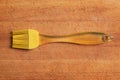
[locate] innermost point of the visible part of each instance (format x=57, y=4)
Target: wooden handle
x=81, y=38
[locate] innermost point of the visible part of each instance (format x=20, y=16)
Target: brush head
x=25, y=39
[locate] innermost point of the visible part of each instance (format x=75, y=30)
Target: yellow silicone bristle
x=25, y=39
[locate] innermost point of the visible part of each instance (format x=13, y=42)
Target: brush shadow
x=11, y=40
x=72, y=44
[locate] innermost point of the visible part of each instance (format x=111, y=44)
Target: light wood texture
x=60, y=61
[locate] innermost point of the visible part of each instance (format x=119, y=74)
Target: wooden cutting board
x=60, y=61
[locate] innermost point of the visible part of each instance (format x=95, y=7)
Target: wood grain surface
x=60, y=61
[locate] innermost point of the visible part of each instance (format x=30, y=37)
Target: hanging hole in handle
x=107, y=38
